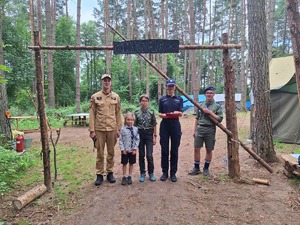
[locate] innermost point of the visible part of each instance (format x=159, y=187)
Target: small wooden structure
x=77, y=119
x=291, y=166
x=17, y=118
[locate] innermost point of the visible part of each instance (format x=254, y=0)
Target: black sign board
x=146, y=46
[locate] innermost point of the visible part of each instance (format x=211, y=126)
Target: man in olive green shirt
x=205, y=130
x=105, y=122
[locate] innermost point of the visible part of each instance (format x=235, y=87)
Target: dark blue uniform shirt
x=168, y=104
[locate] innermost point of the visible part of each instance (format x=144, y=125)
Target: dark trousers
x=167, y=131
x=146, y=140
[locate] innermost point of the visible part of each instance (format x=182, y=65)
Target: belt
x=206, y=125
x=146, y=130
x=172, y=120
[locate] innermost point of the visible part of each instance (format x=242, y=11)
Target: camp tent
x=219, y=98
x=284, y=100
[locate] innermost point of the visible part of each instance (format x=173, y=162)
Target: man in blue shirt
x=170, y=109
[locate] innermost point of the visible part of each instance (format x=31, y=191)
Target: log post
x=29, y=196
x=42, y=113
x=231, y=121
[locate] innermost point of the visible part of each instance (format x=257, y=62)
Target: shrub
x=11, y=166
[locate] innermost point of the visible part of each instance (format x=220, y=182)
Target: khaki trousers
x=110, y=139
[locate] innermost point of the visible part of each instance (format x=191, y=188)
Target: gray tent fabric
x=284, y=101
x=285, y=117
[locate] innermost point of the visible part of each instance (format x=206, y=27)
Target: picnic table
x=17, y=118
x=77, y=119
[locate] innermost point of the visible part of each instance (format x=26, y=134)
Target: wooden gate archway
x=232, y=134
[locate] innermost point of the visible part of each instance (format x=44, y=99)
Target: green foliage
x=11, y=166
x=24, y=103
x=64, y=61
x=297, y=151
x=278, y=144
x=4, y=68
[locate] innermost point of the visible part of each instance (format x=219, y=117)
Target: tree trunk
x=213, y=43
x=146, y=36
x=185, y=65
x=4, y=123
x=270, y=9
x=294, y=17
x=78, y=57
x=50, y=55
x=284, y=38
x=107, y=37
x=259, y=68
x=40, y=29
x=32, y=28
x=163, y=33
x=195, y=85
x=129, y=56
x=67, y=11
x=243, y=79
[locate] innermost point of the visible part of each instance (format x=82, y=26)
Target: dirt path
x=191, y=200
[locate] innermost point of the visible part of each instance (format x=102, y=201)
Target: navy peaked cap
x=170, y=81
x=210, y=88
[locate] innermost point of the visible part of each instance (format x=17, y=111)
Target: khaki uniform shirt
x=150, y=119
x=105, y=112
x=214, y=107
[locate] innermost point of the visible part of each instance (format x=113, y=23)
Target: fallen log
x=29, y=196
x=261, y=181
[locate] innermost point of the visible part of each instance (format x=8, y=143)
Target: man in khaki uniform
x=105, y=122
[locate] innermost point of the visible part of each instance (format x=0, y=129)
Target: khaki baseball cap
x=105, y=75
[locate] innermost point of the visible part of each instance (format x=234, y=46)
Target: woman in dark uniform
x=170, y=109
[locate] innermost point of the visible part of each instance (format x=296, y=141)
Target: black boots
x=110, y=177
x=99, y=180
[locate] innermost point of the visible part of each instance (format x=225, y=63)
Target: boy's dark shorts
x=207, y=135
x=129, y=157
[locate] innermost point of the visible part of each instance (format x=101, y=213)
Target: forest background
x=70, y=82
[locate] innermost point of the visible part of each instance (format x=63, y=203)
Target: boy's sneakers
x=194, y=171
x=129, y=180
x=205, y=172
x=152, y=177
x=124, y=180
x=142, y=177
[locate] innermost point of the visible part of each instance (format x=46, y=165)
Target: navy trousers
x=169, y=130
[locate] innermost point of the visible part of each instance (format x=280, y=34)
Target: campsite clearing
x=191, y=200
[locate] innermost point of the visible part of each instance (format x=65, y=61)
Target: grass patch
x=74, y=171
x=297, y=151
x=224, y=177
